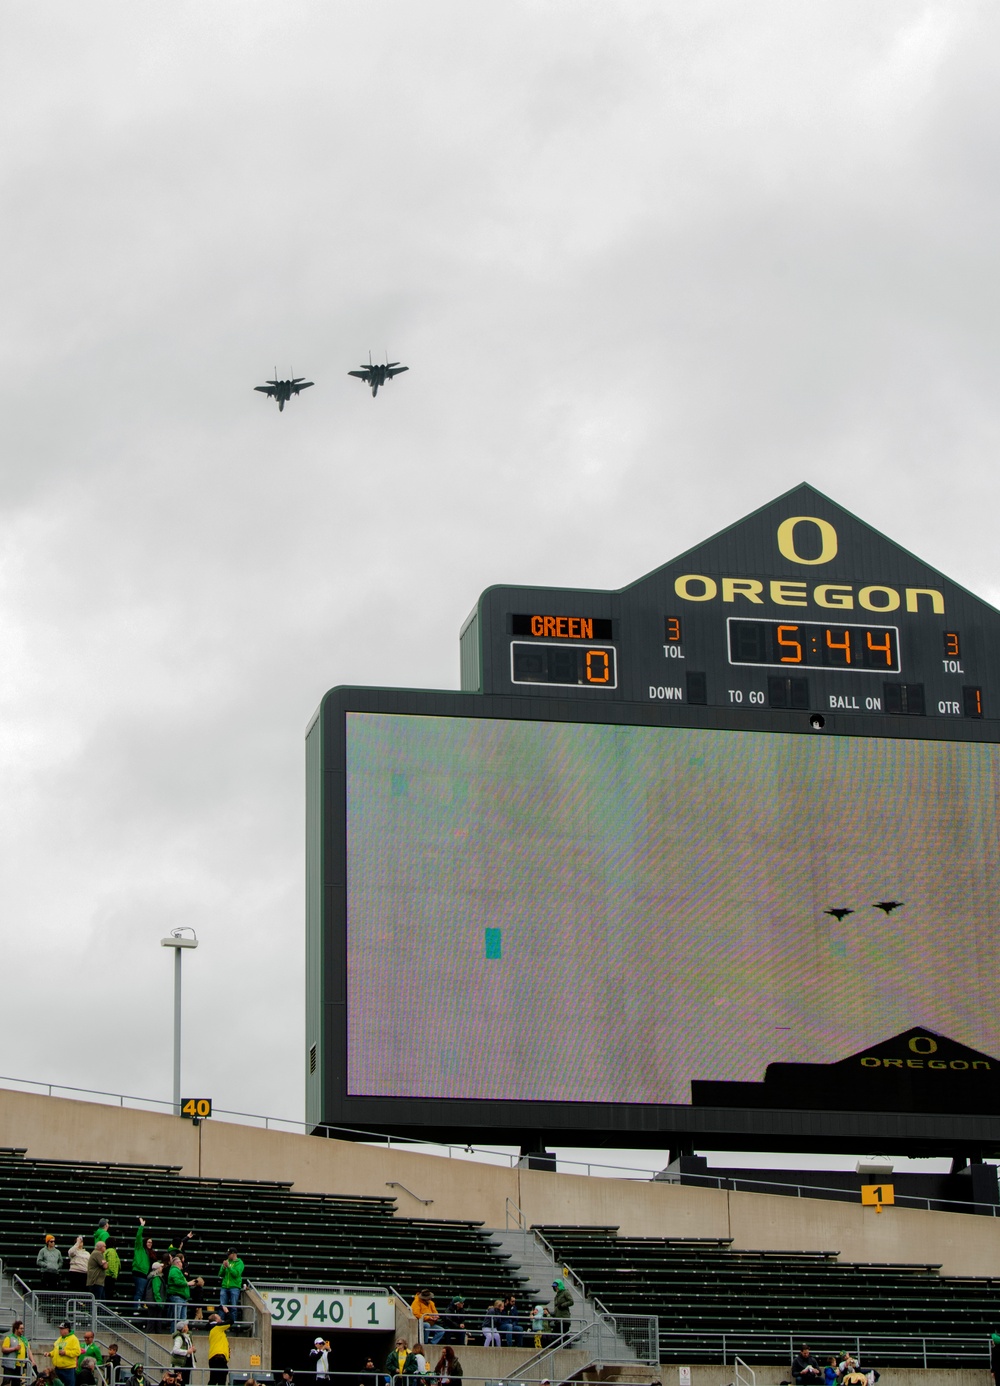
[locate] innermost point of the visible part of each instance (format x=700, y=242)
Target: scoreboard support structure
x=709, y=861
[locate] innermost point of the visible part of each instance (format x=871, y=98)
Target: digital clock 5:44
x=810, y=644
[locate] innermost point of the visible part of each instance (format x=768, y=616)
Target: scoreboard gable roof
x=803, y=534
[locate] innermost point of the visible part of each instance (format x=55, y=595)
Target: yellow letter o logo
x=827, y=534
x=923, y=1044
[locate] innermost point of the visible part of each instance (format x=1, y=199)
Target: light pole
x=184, y=937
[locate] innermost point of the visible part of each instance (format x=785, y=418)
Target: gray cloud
x=649, y=264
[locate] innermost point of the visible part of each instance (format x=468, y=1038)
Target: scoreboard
x=670, y=858
x=810, y=611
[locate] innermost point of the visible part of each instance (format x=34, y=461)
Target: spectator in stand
x=64, y=1353
x=156, y=1298
x=454, y=1322
x=113, y=1364
x=114, y=1269
x=231, y=1280
x=831, y=1375
x=510, y=1324
x=561, y=1304
x=424, y=1310
x=848, y=1363
x=538, y=1316
x=448, y=1368
x=804, y=1370
x=142, y=1259
x=170, y=1376
x=491, y=1338
x=995, y=1357
x=78, y=1257
x=321, y=1352
x=218, y=1351
x=182, y=1353
x=102, y=1231
x=91, y=1357
x=16, y=1354
x=49, y=1262
x=195, y=1282
x=97, y=1271
x=395, y=1363
x=137, y=1376
x=178, y=1247
x=178, y=1288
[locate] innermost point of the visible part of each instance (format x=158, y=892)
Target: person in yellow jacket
x=65, y=1353
x=218, y=1350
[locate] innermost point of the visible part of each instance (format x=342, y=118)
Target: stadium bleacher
x=764, y=1300
x=322, y=1239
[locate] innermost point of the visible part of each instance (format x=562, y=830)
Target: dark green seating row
x=282, y=1235
x=702, y=1290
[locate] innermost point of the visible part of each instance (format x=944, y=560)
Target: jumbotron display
x=543, y=911
x=709, y=858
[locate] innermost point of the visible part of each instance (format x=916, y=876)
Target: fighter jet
x=887, y=906
x=282, y=390
x=377, y=375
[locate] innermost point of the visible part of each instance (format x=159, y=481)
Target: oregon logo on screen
x=827, y=539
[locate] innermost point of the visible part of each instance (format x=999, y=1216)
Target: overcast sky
x=650, y=264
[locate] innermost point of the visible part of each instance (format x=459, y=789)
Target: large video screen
x=552, y=911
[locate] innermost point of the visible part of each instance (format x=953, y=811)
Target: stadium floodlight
x=182, y=937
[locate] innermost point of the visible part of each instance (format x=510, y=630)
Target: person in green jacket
x=231, y=1280
x=90, y=1358
x=142, y=1259
x=114, y=1269
x=561, y=1304
x=178, y=1289
x=155, y=1298
x=102, y=1230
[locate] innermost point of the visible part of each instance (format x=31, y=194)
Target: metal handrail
x=307, y=1286
x=521, y=1223
x=780, y=1346
x=591, y=1168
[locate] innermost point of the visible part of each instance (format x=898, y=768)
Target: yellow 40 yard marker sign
x=196, y=1107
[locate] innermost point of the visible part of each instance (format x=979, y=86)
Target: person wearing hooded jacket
x=49, y=1262
x=155, y=1297
x=562, y=1304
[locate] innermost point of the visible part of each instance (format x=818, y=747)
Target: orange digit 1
x=885, y=649
x=837, y=645
x=603, y=673
x=795, y=658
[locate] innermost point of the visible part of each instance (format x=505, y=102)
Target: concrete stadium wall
x=64, y=1129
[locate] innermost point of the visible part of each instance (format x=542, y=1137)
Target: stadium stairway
x=762, y=1305
x=596, y=1338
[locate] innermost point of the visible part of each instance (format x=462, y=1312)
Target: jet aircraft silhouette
x=282, y=390
x=377, y=375
x=887, y=906
x=838, y=914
